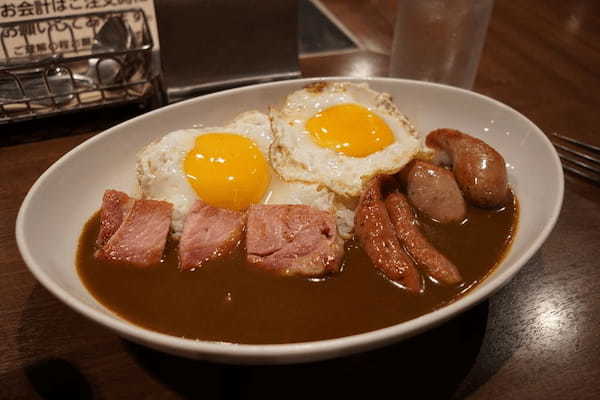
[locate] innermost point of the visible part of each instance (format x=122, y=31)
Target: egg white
x=295, y=156
x=161, y=176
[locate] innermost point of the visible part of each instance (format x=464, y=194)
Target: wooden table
x=539, y=337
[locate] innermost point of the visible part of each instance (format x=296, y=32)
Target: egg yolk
x=350, y=129
x=227, y=170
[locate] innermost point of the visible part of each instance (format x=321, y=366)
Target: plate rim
x=288, y=352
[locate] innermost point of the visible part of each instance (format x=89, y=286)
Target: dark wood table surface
x=539, y=337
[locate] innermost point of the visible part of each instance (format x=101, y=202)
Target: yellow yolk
x=227, y=170
x=350, y=129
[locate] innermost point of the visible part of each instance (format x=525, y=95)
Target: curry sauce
x=229, y=300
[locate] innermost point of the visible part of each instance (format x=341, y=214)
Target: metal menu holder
x=68, y=63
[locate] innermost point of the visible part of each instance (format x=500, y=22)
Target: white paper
x=68, y=36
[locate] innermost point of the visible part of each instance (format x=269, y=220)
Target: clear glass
x=439, y=40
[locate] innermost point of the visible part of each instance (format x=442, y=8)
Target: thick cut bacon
x=293, y=240
x=141, y=237
x=115, y=206
x=208, y=233
x=377, y=237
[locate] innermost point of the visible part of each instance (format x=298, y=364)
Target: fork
x=581, y=159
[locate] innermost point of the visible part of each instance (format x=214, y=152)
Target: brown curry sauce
x=230, y=301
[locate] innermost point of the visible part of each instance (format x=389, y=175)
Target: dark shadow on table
x=56, y=378
x=74, y=123
x=431, y=365
x=52, y=376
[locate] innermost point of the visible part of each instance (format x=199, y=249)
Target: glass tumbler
x=439, y=40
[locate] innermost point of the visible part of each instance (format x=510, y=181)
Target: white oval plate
x=69, y=192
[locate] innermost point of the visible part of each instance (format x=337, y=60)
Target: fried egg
x=226, y=167
x=339, y=135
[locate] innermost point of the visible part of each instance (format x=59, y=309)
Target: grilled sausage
x=479, y=169
x=378, y=238
x=427, y=257
x=433, y=190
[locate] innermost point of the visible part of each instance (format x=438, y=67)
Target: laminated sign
x=36, y=29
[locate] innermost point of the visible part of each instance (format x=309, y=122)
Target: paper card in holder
x=67, y=63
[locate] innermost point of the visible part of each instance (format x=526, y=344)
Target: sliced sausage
x=433, y=190
x=479, y=169
x=378, y=238
x=427, y=257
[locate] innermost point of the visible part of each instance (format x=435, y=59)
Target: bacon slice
x=377, y=237
x=293, y=240
x=115, y=206
x=141, y=236
x=427, y=257
x=208, y=233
